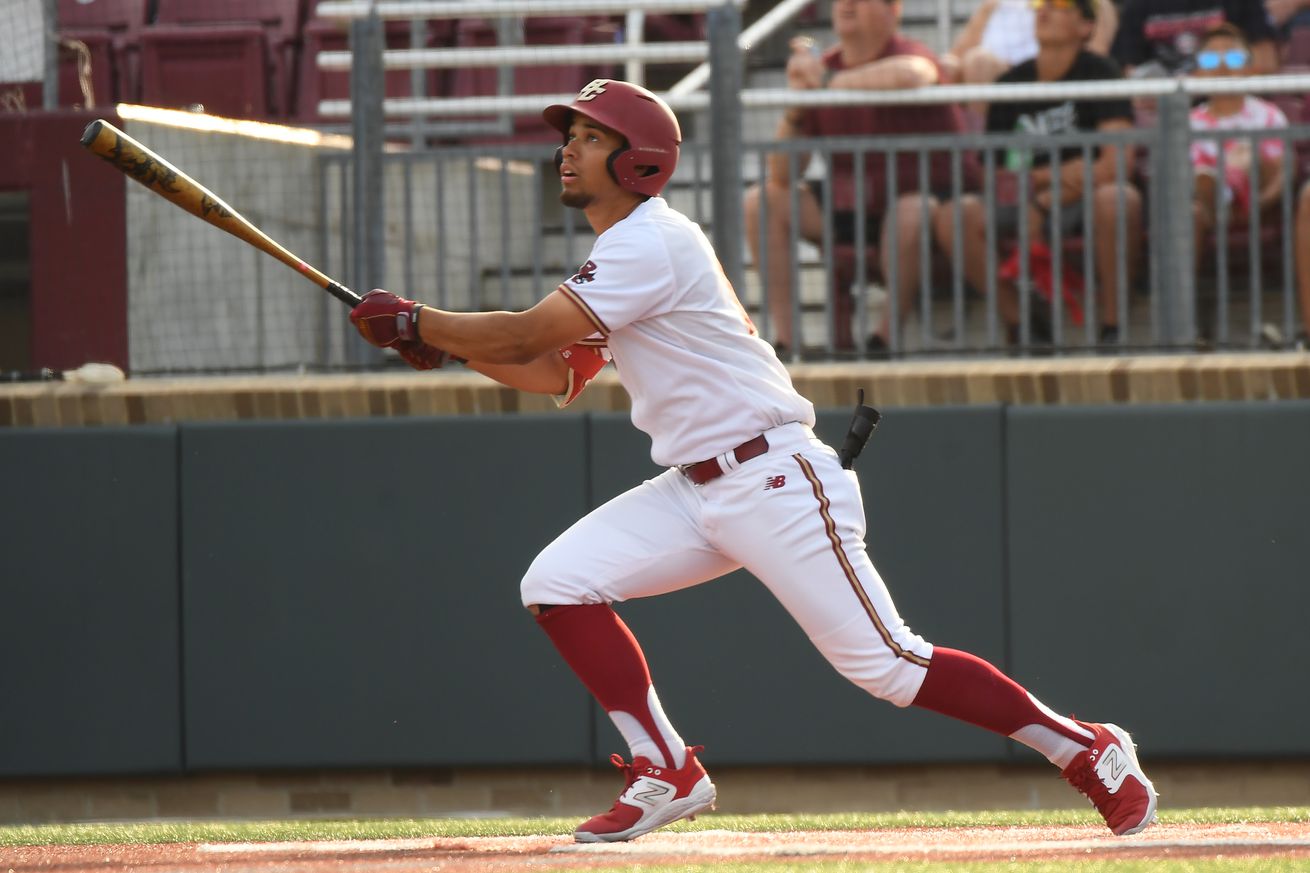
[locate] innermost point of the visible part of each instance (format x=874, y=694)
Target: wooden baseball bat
x=172, y=184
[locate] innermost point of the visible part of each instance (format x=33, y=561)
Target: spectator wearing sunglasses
x=1161, y=37
x=1224, y=53
x=999, y=35
x=1062, y=28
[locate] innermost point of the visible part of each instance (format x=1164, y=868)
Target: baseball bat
x=166, y=180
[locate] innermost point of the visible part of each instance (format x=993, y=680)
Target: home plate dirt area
x=1290, y=840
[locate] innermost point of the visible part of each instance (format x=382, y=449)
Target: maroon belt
x=707, y=471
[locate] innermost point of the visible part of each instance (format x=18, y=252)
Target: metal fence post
x=724, y=25
x=366, y=126
x=50, y=70
x=1178, y=262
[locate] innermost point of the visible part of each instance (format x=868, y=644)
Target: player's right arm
x=545, y=374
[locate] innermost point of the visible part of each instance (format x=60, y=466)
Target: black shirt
x=1057, y=116
x=1167, y=32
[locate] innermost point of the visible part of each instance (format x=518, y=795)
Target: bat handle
x=344, y=294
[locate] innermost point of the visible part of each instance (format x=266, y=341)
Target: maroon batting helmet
x=643, y=119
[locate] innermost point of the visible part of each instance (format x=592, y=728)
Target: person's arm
x=1107, y=25
x=804, y=72
x=1264, y=58
x=1071, y=171
x=970, y=37
x=1271, y=180
x=895, y=73
x=545, y=374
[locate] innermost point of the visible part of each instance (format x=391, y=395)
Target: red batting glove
x=420, y=355
x=386, y=320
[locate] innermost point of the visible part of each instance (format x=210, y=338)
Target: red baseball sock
x=968, y=688
x=605, y=655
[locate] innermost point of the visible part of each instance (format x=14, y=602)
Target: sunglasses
x=1234, y=59
x=1054, y=4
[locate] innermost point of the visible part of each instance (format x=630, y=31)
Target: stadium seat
x=322, y=35
x=102, y=71
x=121, y=21
x=225, y=69
x=543, y=79
x=236, y=29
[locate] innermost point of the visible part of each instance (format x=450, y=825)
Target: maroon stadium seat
x=104, y=74
x=121, y=21
x=279, y=20
x=331, y=35
x=225, y=69
x=552, y=79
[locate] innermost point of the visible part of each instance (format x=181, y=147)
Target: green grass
x=258, y=831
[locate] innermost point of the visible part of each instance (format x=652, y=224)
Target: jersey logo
x=1113, y=768
x=774, y=482
x=592, y=90
x=586, y=273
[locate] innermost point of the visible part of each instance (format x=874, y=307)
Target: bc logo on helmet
x=592, y=90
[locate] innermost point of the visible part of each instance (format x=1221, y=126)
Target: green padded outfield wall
x=1160, y=570
x=351, y=592
x=734, y=671
x=88, y=602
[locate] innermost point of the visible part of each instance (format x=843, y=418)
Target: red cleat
x=653, y=797
x=1109, y=774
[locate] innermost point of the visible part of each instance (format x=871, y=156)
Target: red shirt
x=887, y=120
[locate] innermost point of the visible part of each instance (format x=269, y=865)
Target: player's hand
x=386, y=320
x=420, y=355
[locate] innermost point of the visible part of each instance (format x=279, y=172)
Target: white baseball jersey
x=703, y=383
x=701, y=380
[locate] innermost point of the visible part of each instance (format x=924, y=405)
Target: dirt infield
x=560, y=853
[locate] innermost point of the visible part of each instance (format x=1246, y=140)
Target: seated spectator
x=870, y=54
x=1224, y=52
x=1286, y=14
x=999, y=35
x=1062, y=29
x=1160, y=37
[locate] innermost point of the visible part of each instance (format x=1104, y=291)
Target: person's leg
x=1105, y=216
x=1303, y=255
x=805, y=541
x=641, y=543
x=779, y=255
x=973, y=230
x=910, y=228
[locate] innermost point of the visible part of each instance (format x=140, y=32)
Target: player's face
x=584, y=174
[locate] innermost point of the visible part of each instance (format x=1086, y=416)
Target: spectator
x=870, y=54
x=999, y=35
x=1224, y=52
x=1286, y=14
x=1160, y=37
x=1062, y=28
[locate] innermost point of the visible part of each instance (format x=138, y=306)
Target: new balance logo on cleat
x=1113, y=769
x=774, y=482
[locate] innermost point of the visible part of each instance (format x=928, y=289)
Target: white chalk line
x=802, y=848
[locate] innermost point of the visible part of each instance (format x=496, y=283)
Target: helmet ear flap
x=610, y=161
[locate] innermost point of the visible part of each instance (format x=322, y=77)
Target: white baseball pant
x=792, y=517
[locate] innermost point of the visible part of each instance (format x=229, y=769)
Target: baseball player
x=747, y=485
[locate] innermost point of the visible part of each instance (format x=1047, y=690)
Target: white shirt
x=1009, y=33
x=701, y=380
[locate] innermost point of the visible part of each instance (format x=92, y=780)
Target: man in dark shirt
x=869, y=55
x=1160, y=37
x=1062, y=28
